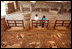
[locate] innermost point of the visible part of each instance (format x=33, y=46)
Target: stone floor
x=49, y=16
x=36, y=38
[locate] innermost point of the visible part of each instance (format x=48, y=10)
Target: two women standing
x=43, y=20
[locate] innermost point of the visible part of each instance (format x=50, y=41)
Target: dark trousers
x=42, y=25
x=36, y=24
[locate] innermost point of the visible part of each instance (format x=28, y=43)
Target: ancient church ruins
x=52, y=28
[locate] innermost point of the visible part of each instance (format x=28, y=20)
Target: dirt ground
x=36, y=38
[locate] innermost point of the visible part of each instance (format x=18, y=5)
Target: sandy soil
x=36, y=38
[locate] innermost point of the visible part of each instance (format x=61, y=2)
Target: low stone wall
x=3, y=24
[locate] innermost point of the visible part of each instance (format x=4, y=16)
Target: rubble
x=20, y=36
x=33, y=43
x=38, y=43
x=37, y=47
x=3, y=43
x=54, y=46
x=13, y=46
x=39, y=39
x=59, y=35
x=51, y=42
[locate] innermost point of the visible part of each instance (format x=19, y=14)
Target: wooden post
x=62, y=23
x=69, y=24
x=23, y=23
x=48, y=24
x=55, y=24
x=15, y=23
x=32, y=23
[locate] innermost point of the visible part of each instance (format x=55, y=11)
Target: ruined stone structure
x=46, y=6
x=52, y=10
x=26, y=36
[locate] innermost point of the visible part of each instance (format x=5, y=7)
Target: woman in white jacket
x=36, y=18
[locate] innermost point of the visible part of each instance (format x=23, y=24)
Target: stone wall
x=51, y=16
x=40, y=5
x=11, y=8
x=3, y=24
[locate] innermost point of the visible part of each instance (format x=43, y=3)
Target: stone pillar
x=16, y=5
x=31, y=8
x=40, y=10
x=67, y=9
x=52, y=22
x=49, y=9
x=3, y=24
x=21, y=8
x=58, y=10
x=27, y=21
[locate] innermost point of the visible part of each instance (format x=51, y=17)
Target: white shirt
x=36, y=17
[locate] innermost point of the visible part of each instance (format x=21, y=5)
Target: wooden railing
x=65, y=23
x=58, y=23
x=39, y=23
x=15, y=23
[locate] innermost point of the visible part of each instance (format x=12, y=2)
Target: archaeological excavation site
x=35, y=24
